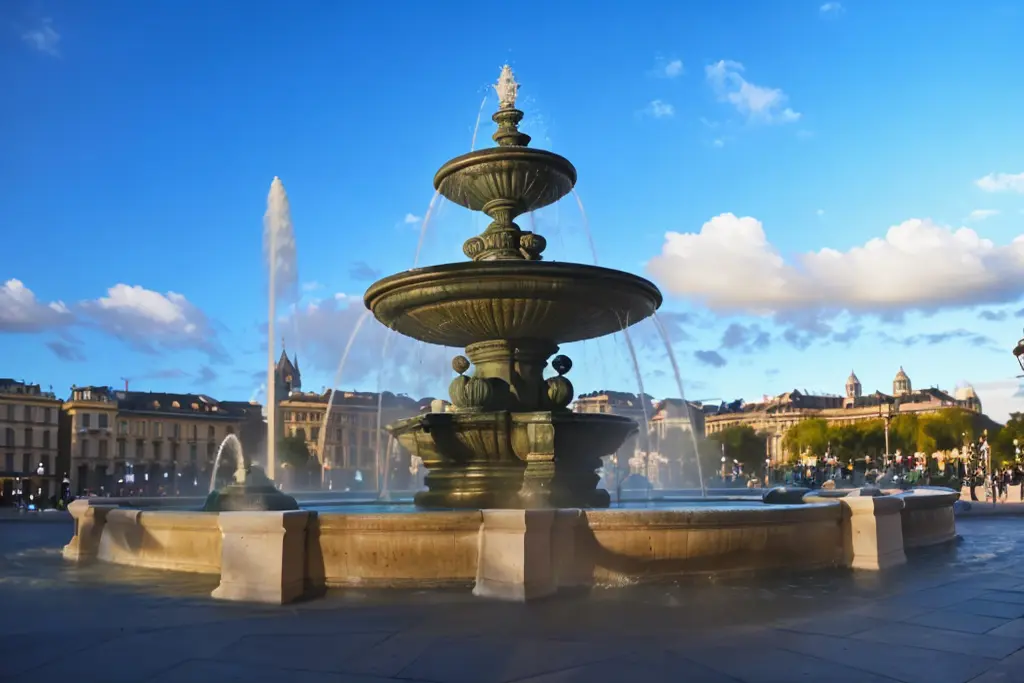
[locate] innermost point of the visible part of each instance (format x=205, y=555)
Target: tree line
x=909, y=433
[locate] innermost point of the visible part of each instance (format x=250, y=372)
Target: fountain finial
x=507, y=88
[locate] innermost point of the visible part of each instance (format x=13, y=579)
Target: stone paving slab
x=952, y=615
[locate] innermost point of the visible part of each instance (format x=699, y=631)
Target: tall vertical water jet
x=279, y=250
x=511, y=440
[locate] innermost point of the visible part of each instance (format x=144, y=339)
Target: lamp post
x=1018, y=351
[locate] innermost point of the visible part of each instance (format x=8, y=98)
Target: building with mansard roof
x=151, y=442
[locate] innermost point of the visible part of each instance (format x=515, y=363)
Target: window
x=104, y=421
x=10, y=412
x=46, y=438
x=28, y=413
x=211, y=450
x=174, y=452
x=140, y=428
x=122, y=427
x=314, y=433
x=194, y=433
x=177, y=431
x=85, y=448
x=193, y=453
x=158, y=429
x=26, y=464
x=121, y=449
x=48, y=415
x=337, y=435
x=103, y=449
x=86, y=420
x=140, y=449
x=156, y=450
x=28, y=438
x=9, y=436
x=9, y=462
x=211, y=433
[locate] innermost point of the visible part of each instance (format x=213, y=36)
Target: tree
x=293, y=452
x=808, y=435
x=903, y=431
x=741, y=443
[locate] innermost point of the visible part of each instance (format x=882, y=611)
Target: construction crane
x=126, y=380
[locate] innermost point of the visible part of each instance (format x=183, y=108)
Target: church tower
x=901, y=385
x=853, y=387
x=289, y=378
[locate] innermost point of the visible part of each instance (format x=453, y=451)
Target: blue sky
x=143, y=137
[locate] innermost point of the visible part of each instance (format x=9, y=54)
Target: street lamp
x=40, y=471
x=1018, y=351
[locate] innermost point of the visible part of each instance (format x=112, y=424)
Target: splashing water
x=645, y=443
x=476, y=128
x=381, y=482
x=663, y=333
x=423, y=228
x=321, y=442
x=239, y=461
x=586, y=225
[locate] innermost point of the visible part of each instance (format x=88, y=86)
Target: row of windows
x=30, y=440
x=141, y=450
x=29, y=463
x=30, y=413
x=153, y=429
x=295, y=416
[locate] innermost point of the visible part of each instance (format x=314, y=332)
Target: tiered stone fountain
x=512, y=441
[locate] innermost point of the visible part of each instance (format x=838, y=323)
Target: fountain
x=520, y=466
x=250, y=489
x=512, y=441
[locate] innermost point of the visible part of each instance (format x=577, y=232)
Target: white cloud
x=145, y=320
x=820, y=212
x=981, y=214
x=1000, y=397
x=667, y=68
x=718, y=142
x=831, y=8
x=411, y=219
x=731, y=266
x=277, y=222
x=660, y=110
x=44, y=38
x=673, y=69
x=1002, y=182
x=757, y=103
x=311, y=286
x=20, y=311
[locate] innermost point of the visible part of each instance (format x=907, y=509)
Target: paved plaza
x=952, y=615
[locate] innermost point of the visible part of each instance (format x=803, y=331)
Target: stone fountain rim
x=495, y=154
x=430, y=275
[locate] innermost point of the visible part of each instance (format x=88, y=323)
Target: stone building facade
x=29, y=462
x=150, y=443
x=353, y=438
x=775, y=415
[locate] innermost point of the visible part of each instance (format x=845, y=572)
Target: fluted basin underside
x=512, y=460
x=532, y=178
x=459, y=304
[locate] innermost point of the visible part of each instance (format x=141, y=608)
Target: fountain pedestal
x=263, y=556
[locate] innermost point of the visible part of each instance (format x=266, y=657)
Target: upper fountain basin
x=459, y=304
x=531, y=178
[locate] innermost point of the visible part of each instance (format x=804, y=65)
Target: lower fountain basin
x=479, y=459
x=459, y=304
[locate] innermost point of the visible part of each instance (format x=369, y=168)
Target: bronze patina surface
x=511, y=440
